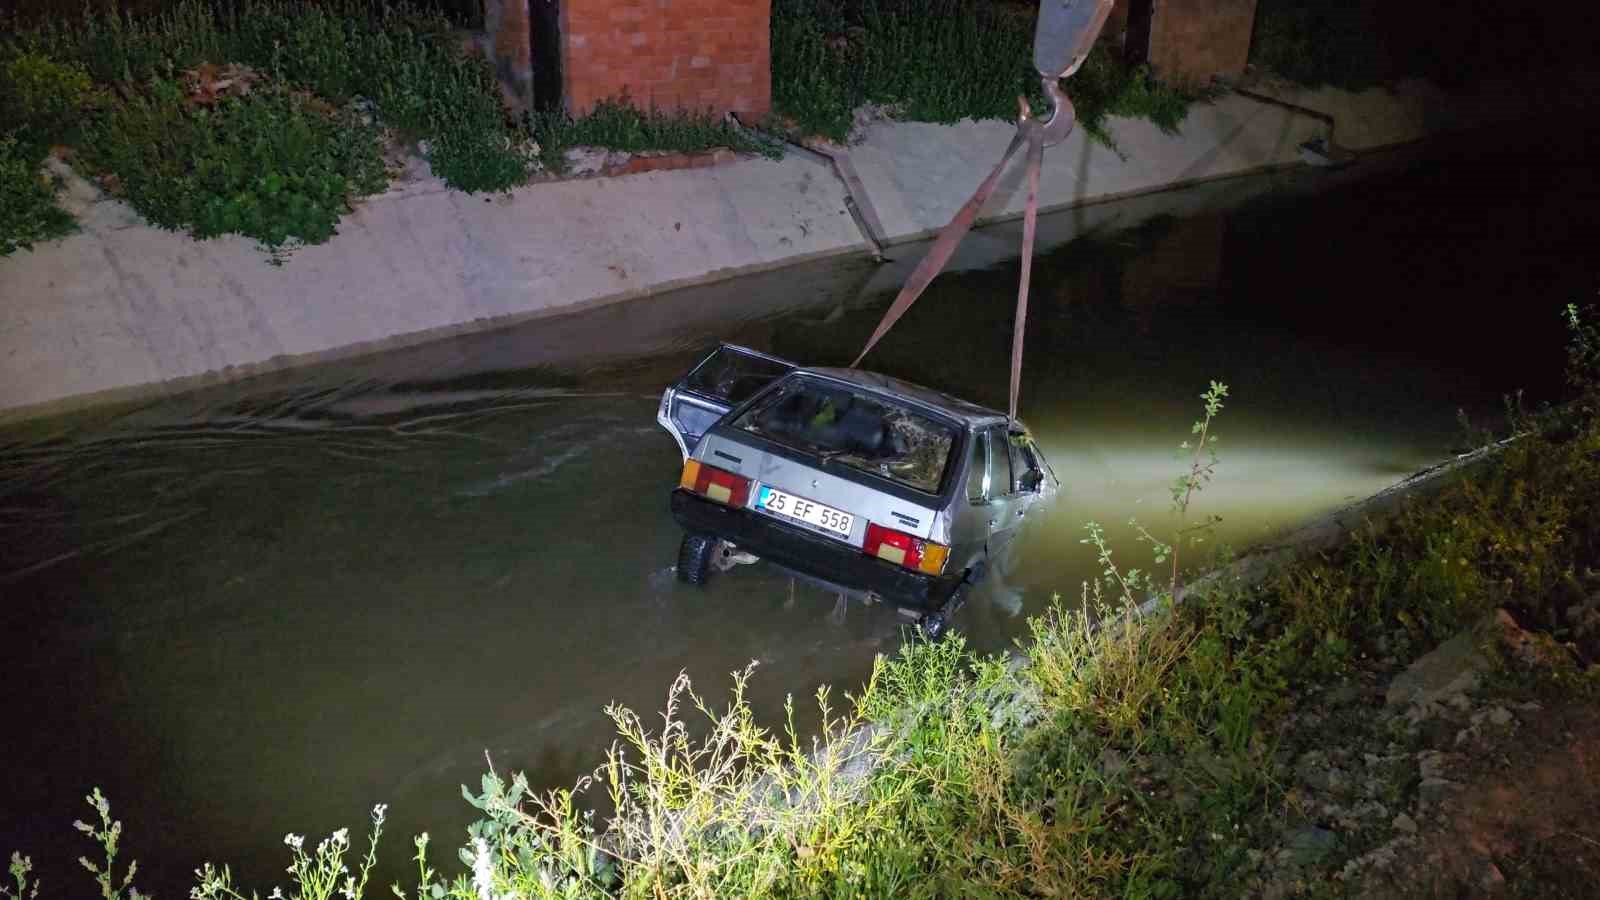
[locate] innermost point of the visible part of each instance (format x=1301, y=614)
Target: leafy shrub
x=276, y=166
x=42, y=97
x=937, y=61
x=28, y=211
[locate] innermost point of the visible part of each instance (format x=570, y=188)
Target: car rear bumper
x=811, y=555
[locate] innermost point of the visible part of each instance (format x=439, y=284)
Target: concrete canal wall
x=124, y=310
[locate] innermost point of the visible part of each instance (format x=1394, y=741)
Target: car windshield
x=853, y=428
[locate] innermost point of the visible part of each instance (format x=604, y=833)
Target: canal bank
x=122, y=310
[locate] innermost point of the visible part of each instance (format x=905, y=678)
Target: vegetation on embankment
x=1168, y=753
x=270, y=119
x=1358, y=45
x=265, y=119
x=938, y=61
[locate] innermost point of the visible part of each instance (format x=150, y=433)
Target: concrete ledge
x=122, y=309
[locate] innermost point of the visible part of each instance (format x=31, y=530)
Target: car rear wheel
x=695, y=555
x=933, y=625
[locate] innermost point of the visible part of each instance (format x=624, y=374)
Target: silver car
x=868, y=485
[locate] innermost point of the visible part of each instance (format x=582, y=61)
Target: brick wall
x=1192, y=40
x=672, y=54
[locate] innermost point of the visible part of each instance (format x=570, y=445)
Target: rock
x=1112, y=763
x=1449, y=671
x=1405, y=823
x=1433, y=790
x=1315, y=772
x=1499, y=716
x=1309, y=844
x=1219, y=769
x=1490, y=879
x=1370, y=810
x=1433, y=763
x=1535, y=651
x=1343, y=695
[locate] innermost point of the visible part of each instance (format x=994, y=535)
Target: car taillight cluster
x=713, y=483
x=905, y=550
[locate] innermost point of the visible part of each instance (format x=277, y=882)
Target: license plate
x=810, y=512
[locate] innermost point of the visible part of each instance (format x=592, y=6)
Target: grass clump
x=619, y=125
x=937, y=61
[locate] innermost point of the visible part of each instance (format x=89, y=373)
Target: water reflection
x=262, y=608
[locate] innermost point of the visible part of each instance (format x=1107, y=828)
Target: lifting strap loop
x=939, y=253
x=1035, y=137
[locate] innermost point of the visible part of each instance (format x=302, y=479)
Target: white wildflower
x=341, y=838
x=277, y=894
x=378, y=812
x=482, y=870
x=349, y=889
x=295, y=840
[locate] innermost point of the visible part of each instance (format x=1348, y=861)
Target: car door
x=979, y=534
x=726, y=378
x=969, y=526
x=1017, y=482
x=1005, y=506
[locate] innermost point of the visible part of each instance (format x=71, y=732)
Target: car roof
x=969, y=414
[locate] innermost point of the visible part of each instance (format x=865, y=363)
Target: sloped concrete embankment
x=123, y=310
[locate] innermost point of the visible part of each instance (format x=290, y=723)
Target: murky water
x=264, y=608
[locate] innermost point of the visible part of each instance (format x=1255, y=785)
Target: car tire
x=694, y=558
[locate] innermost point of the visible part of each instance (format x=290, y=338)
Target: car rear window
x=734, y=375
x=856, y=429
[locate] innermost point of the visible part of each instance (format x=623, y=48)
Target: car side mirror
x=1032, y=480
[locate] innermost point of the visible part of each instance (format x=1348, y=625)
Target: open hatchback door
x=721, y=381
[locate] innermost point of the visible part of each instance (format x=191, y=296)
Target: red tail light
x=904, y=550
x=715, y=484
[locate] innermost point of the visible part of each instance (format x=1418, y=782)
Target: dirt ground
x=1472, y=772
x=1525, y=819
